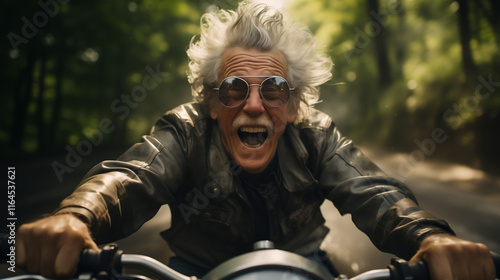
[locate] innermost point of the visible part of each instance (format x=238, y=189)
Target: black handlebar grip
x=107, y=260
x=419, y=270
x=496, y=261
x=89, y=260
x=402, y=270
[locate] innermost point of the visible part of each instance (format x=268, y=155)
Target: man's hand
x=52, y=246
x=449, y=257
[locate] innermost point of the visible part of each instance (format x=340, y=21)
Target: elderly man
x=248, y=160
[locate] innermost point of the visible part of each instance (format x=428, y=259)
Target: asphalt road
x=468, y=199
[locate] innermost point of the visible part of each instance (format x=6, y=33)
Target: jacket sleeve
x=117, y=196
x=383, y=208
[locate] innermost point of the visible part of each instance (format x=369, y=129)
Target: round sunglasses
x=234, y=91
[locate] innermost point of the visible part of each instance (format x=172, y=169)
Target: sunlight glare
x=278, y=4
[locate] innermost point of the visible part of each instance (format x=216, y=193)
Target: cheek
x=225, y=120
x=280, y=121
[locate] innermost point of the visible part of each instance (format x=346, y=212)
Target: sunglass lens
x=233, y=91
x=275, y=91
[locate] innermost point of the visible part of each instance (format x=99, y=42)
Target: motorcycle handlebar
x=496, y=261
x=401, y=270
x=111, y=260
x=107, y=260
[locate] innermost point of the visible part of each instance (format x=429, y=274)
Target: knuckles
x=47, y=245
x=482, y=249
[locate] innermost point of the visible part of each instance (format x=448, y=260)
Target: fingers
x=27, y=250
x=47, y=256
x=484, y=257
x=52, y=246
x=473, y=261
x=66, y=261
x=20, y=249
x=439, y=268
x=449, y=257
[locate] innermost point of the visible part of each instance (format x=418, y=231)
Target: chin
x=253, y=160
x=253, y=166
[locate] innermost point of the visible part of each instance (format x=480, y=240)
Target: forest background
x=420, y=77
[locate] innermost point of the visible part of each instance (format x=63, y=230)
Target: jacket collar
x=292, y=156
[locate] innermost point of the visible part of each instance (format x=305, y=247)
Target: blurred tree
x=401, y=40
x=489, y=10
x=436, y=53
x=377, y=24
x=465, y=39
x=495, y=19
x=23, y=93
x=40, y=102
x=68, y=66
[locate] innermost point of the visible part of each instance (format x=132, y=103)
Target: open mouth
x=252, y=137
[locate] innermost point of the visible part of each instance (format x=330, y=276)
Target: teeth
x=253, y=129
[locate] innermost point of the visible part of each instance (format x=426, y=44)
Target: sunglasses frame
x=260, y=89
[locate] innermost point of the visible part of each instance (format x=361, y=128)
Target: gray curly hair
x=256, y=26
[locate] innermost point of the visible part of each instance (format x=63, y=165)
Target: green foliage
x=96, y=53
x=425, y=54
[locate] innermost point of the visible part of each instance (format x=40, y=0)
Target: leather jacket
x=183, y=163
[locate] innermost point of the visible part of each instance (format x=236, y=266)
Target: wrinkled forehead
x=239, y=61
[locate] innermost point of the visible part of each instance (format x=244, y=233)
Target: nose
x=253, y=105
